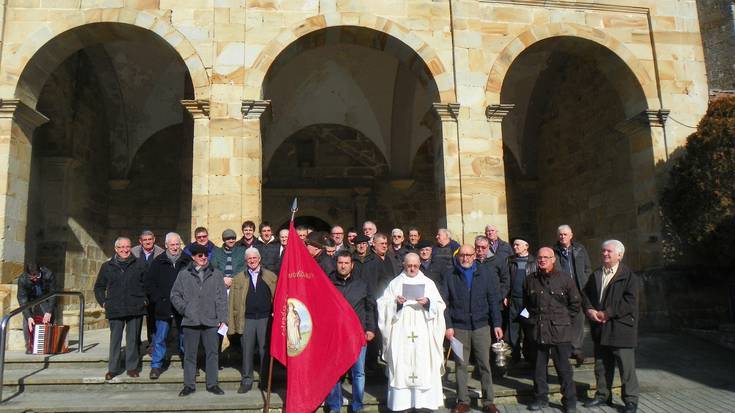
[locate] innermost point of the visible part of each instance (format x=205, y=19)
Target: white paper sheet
x=457, y=348
x=223, y=330
x=524, y=313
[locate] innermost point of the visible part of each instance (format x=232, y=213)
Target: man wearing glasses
x=201, y=237
x=552, y=301
x=472, y=317
x=199, y=296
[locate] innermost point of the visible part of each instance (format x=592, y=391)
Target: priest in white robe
x=413, y=334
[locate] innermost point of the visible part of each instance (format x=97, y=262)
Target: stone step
x=56, y=390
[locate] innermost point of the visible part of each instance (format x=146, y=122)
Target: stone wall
x=717, y=23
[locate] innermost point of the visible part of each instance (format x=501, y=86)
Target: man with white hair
x=411, y=320
x=397, y=249
x=611, y=304
x=249, y=309
x=444, y=250
x=572, y=258
x=369, y=229
x=498, y=247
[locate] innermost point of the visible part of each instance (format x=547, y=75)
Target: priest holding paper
x=411, y=320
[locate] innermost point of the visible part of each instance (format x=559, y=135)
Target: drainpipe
x=456, y=98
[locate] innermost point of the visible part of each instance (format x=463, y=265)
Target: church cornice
x=198, y=108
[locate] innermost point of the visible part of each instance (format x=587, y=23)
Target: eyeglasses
x=200, y=255
x=466, y=255
x=201, y=236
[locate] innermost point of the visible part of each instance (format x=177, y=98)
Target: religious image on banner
x=316, y=334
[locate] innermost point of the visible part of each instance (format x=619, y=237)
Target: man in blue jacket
x=472, y=317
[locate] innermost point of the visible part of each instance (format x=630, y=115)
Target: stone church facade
x=118, y=115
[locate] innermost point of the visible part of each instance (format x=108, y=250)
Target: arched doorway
x=115, y=156
x=352, y=131
x=577, y=149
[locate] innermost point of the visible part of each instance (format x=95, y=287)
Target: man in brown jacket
x=250, y=309
x=552, y=300
x=611, y=304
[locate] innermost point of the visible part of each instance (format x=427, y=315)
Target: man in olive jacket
x=120, y=290
x=611, y=304
x=552, y=300
x=250, y=308
x=199, y=296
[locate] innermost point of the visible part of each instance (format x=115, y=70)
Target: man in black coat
x=552, y=300
x=160, y=279
x=572, y=258
x=427, y=264
x=520, y=266
x=34, y=282
x=611, y=304
x=268, y=246
x=356, y=292
x=473, y=317
x=381, y=270
x=120, y=290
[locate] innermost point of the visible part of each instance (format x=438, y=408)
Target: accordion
x=49, y=339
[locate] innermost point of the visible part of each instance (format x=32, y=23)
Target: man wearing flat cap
x=315, y=243
x=521, y=265
x=230, y=259
x=426, y=264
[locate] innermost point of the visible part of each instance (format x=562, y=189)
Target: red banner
x=316, y=333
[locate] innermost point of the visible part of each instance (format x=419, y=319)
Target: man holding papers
x=410, y=317
x=472, y=317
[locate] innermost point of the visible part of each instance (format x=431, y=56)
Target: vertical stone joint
x=496, y=113
x=254, y=109
x=198, y=108
x=446, y=111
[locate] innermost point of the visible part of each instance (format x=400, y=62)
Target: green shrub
x=698, y=200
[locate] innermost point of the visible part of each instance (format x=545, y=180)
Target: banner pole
x=267, y=406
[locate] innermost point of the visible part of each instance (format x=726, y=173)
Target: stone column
x=17, y=123
x=254, y=113
x=447, y=169
x=199, y=111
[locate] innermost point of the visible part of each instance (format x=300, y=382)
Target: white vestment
x=413, y=340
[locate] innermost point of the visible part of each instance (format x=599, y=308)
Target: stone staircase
x=74, y=382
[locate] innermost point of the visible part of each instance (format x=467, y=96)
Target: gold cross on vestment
x=413, y=377
x=413, y=337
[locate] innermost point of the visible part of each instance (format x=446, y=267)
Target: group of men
x=470, y=295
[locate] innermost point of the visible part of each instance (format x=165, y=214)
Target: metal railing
x=6, y=320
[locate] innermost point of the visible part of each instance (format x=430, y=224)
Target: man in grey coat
x=199, y=296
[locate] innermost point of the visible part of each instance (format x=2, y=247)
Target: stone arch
x=440, y=72
x=523, y=41
x=28, y=69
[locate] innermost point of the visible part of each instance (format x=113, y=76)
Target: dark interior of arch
x=115, y=156
x=568, y=143
x=351, y=129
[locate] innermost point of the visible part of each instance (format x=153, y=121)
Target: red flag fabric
x=316, y=333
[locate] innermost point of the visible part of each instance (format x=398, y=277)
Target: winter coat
x=378, y=272
x=238, y=297
x=432, y=270
x=470, y=309
x=580, y=263
x=531, y=267
x=498, y=267
x=160, y=279
x=503, y=250
x=137, y=251
x=28, y=291
x=620, y=302
x=201, y=302
x=357, y=293
x=120, y=289
x=443, y=256
x=269, y=253
x=552, y=301
x=219, y=259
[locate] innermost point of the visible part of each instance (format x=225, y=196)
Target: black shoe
x=155, y=373
x=597, y=402
x=630, y=407
x=215, y=390
x=579, y=358
x=244, y=388
x=186, y=391
x=572, y=408
x=538, y=405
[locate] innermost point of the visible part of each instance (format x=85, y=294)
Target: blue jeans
x=159, y=342
x=334, y=399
